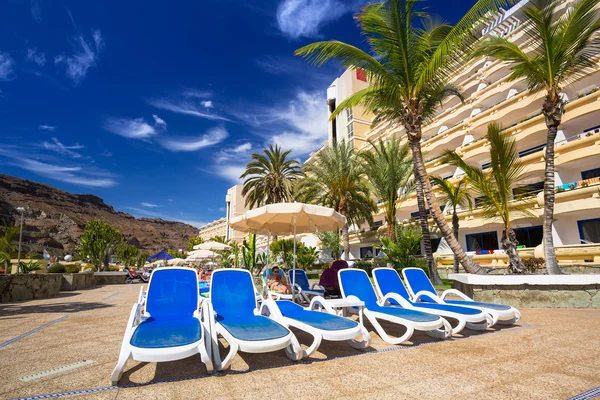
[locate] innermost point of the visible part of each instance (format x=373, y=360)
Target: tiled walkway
x=553, y=354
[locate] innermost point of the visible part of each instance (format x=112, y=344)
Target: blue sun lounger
x=321, y=325
x=164, y=325
x=235, y=317
x=421, y=290
x=391, y=291
x=355, y=284
x=306, y=289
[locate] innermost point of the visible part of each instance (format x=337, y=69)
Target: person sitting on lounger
x=277, y=282
x=329, y=278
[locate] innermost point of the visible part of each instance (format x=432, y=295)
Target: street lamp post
x=21, y=210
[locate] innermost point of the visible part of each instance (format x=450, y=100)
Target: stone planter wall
x=110, y=278
x=582, y=293
x=29, y=286
x=78, y=281
x=589, y=268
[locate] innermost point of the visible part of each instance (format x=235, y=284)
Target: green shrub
x=72, y=270
x=364, y=265
x=29, y=267
x=56, y=269
x=114, y=269
x=533, y=264
x=324, y=266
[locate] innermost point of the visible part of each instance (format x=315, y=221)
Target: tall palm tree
x=563, y=52
x=269, y=177
x=494, y=187
x=454, y=196
x=409, y=68
x=336, y=178
x=389, y=168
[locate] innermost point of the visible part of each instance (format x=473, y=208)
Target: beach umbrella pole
x=294, y=265
x=266, y=289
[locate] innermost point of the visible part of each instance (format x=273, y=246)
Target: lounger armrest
x=395, y=296
x=321, y=301
x=317, y=286
x=456, y=293
x=424, y=293
x=271, y=306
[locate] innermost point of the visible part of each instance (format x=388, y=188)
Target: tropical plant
x=270, y=178
x=401, y=253
x=128, y=254
x=175, y=253
x=27, y=268
x=563, y=51
x=455, y=196
x=412, y=57
x=5, y=260
x=307, y=257
x=97, y=241
x=193, y=241
x=141, y=259
x=493, y=186
x=284, y=249
x=56, y=268
x=389, y=168
x=249, y=252
x=219, y=239
x=335, y=178
x=330, y=242
x=7, y=247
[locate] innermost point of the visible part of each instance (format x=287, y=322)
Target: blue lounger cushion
x=316, y=319
x=252, y=327
x=499, y=307
x=411, y=315
x=154, y=334
x=302, y=281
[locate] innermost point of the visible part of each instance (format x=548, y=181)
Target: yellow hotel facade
x=461, y=126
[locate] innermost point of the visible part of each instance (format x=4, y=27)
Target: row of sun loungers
x=171, y=321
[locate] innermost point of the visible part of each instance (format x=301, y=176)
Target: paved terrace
x=552, y=354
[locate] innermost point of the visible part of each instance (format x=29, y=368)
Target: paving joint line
x=111, y=295
x=32, y=331
x=302, y=362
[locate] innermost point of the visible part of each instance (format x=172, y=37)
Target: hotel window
x=349, y=115
x=529, y=237
x=589, y=174
x=589, y=230
x=350, y=129
x=482, y=241
x=366, y=252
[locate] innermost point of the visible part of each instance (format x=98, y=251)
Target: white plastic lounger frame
x=300, y=297
x=319, y=335
x=138, y=315
x=502, y=317
x=432, y=328
x=314, y=290
x=289, y=342
x=478, y=322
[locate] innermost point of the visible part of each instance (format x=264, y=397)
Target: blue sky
x=156, y=106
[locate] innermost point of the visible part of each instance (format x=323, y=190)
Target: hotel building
x=461, y=126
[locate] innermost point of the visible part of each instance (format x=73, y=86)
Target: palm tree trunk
x=431, y=267
x=436, y=212
x=455, y=231
x=553, y=111
x=509, y=244
x=346, y=241
x=391, y=231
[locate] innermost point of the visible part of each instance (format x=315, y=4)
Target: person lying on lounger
x=277, y=282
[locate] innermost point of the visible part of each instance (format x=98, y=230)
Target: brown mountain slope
x=55, y=219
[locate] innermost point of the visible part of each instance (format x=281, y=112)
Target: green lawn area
x=446, y=284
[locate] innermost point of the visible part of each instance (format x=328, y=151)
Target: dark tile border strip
x=589, y=395
x=111, y=295
x=32, y=331
x=198, y=377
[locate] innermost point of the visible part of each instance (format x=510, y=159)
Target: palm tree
x=336, y=178
x=563, y=52
x=6, y=245
x=454, y=196
x=389, y=168
x=409, y=68
x=269, y=177
x=494, y=187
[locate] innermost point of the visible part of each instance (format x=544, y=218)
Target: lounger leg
x=124, y=356
x=461, y=325
x=314, y=346
x=294, y=350
x=442, y=334
x=511, y=321
x=387, y=338
x=204, y=357
x=362, y=344
x=482, y=326
x=233, y=349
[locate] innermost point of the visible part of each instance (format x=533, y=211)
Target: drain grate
x=54, y=371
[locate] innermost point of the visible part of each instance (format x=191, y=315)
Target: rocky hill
x=55, y=219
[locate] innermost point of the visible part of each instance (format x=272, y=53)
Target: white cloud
x=33, y=55
x=130, y=128
x=59, y=148
x=198, y=94
x=207, y=104
x=158, y=120
x=188, y=107
x=304, y=18
x=48, y=128
x=239, y=152
x=7, y=64
x=85, y=55
x=221, y=209
x=144, y=213
x=36, y=10
x=150, y=205
x=242, y=148
x=210, y=138
x=230, y=172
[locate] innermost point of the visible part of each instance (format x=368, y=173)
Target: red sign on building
x=361, y=75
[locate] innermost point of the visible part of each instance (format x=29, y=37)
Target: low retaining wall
x=532, y=291
x=110, y=278
x=585, y=269
x=78, y=281
x=29, y=286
